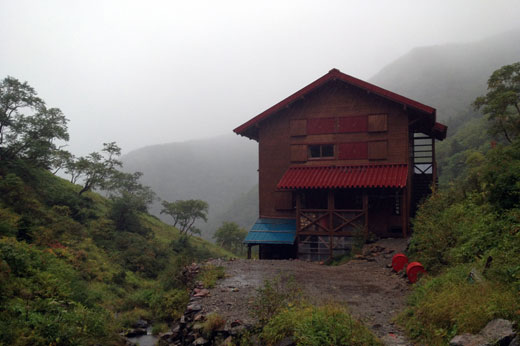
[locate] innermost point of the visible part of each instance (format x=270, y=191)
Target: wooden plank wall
x=336, y=114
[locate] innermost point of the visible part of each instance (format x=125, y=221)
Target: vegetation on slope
x=467, y=236
x=75, y=267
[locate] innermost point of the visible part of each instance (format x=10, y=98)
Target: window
x=321, y=150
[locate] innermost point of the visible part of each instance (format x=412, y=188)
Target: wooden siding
x=282, y=142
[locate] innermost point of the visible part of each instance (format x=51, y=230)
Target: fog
x=148, y=72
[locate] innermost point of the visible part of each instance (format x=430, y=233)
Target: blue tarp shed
x=272, y=231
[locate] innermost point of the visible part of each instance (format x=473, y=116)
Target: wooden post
x=404, y=211
x=365, y=209
x=248, y=251
x=298, y=211
x=298, y=218
x=434, y=167
x=330, y=207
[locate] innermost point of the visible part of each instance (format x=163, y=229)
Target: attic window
x=321, y=150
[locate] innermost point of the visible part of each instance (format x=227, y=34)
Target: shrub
x=447, y=305
x=210, y=274
x=213, y=323
x=316, y=326
x=273, y=296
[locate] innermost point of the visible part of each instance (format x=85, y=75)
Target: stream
x=144, y=340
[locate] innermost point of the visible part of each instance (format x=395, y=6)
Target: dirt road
x=366, y=286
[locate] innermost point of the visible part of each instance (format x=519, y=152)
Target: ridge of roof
x=333, y=75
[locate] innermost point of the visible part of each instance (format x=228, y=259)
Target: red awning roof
x=333, y=75
x=309, y=177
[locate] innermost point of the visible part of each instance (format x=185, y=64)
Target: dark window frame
x=322, y=148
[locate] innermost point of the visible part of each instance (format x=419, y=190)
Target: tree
x=231, y=237
x=185, y=213
x=96, y=169
x=29, y=136
x=502, y=102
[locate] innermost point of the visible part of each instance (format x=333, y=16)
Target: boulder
x=194, y=308
x=467, y=340
x=496, y=332
x=499, y=332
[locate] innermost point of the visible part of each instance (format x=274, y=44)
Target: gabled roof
x=335, y=74
x=331, y=177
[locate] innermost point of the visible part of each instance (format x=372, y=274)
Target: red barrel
x=413, y=270
x=399, y=261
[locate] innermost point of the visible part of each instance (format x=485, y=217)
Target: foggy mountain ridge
x=223, y=170
x=449, y=77
x=217, y=170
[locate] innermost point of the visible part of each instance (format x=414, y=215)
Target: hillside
x=218, y=170
x=449, y=77
x=70, y=275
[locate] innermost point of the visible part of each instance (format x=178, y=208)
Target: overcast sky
x=149, y=72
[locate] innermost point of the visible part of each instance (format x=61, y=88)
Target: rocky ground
x=372, y=292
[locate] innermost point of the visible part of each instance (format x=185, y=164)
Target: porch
x=329, y=223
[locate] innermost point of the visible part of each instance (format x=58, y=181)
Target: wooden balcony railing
x=338, y=222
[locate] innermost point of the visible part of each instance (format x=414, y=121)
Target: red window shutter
x=320, y=126
x=353, y=151
x=352, y=124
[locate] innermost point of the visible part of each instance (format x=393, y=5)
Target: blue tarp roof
x=272, y=231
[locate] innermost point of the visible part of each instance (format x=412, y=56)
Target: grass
x=213, y=323
x=283, y=312
x=317, y=325
x=441, y=307
x=210, y=274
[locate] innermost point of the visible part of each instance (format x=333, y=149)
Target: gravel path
x=372, y=292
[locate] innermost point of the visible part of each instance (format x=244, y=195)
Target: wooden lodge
x=339, y=159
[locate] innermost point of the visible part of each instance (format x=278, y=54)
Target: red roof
x=323, y=177
x=333, y=75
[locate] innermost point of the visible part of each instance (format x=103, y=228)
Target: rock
x=515, y=341
x=498, y=331
x=474, y=276
x=168, y=337
x=194, y=308
x=467, y=340
x=237, y=330
x=135, y=332
x=199, y=317
x=288, y=341
x=236, y=323
x=140, y=323
x=197, y=326
x=200, y=341
x=201, y=292
x=182, y=321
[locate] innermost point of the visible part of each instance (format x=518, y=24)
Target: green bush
x=274, y=296
x=209, y=275
x=316, y=326
x=441, y=307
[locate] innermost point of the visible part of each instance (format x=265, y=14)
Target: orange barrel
x=413, y=270
x=399, y=261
